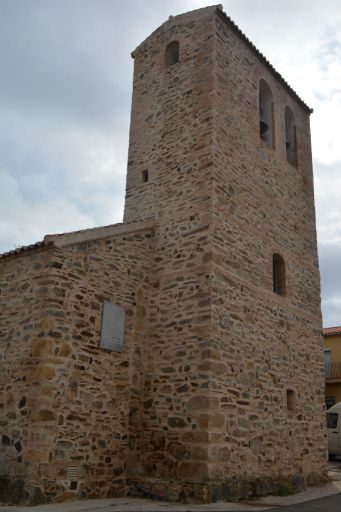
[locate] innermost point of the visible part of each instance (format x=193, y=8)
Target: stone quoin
x=180, y=351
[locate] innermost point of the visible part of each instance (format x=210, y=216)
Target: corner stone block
x=202, y=403
x=42, y=347
x=198, y=403
x=217, y=421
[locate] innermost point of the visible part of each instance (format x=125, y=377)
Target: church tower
x=220, y=159
x=180, y=351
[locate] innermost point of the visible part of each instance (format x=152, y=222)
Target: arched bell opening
x=172, y=53
x=266, y=114
x=290, y=136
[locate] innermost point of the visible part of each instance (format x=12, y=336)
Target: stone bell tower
x=220, y=158
x=181, y=350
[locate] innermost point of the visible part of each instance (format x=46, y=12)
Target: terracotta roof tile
x=25, y=249
x=327, y=331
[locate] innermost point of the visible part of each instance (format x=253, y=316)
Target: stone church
x=180, y=351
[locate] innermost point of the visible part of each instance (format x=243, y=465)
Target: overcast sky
x=65, y=92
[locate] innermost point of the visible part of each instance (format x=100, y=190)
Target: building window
x=332, y=419
x=330, y=401
x=290, y=136
x=291, y=400
x=278, y=274
x=172, y=53
x=266, y=114
x=112, y=331
x=144, y=176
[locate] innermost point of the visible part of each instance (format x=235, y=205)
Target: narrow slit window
x=278, y=274
x=266, y=114
x=172, y=53
x=290, y=136
x=112, y=332
x=145, y=176
x=291, y=400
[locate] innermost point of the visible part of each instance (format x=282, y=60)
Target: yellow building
x=332, y=357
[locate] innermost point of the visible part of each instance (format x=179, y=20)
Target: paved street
x=335, y=465
x=326, y=498
x=328, y=504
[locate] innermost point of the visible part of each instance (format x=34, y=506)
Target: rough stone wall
x=171, y=136
x=83, y=402
x=195, y=405
x=171, y=123
x=23, y=285
x=218, y=413
x=262, y=343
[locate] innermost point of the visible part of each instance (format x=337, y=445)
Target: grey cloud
x=331, y=312
x=330, y=270
x=65, y=91
x=66, y=56
x=53, y=61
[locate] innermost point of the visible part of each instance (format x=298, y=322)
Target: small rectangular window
x=332, y=419
x=278, y=274
x=73, y=485
x=144, y=176
x=172, y=53
x=112, y=332
x=330, y=401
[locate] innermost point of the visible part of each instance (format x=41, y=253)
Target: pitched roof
x=328, y=331
x=84, y=235
x=26, y=248
x=264, y=60
x=89, y=234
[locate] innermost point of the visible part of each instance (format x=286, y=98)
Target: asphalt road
x=328, y=504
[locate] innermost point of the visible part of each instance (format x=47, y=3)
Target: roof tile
x=25, y=249
x=327, y=331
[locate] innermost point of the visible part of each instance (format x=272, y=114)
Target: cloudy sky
x=65, y=91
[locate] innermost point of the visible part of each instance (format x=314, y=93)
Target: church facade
x=180, y=350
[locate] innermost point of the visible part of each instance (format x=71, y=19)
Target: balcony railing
x=332, y=371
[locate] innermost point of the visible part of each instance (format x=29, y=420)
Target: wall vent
x=72, y=477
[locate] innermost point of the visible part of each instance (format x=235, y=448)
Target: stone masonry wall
x=171, y=136
x=23, y=284
x=171, y=124
x=195, y=405
x=82, y=402
x=216, y=419
x=263, y=344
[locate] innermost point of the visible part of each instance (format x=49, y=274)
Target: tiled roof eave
x=330, y=331
x=26, y=249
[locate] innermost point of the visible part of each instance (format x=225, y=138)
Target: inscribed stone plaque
x=112, y=332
